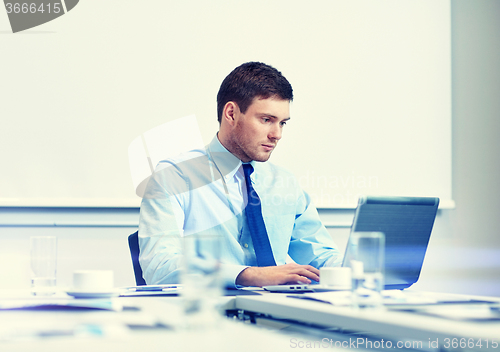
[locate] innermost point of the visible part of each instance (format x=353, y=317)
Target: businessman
x=229, y=189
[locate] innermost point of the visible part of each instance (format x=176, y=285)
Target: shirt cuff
x=229, y=273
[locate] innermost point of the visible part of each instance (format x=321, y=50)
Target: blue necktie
x=253, y=211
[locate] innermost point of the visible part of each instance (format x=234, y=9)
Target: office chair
x=133, y=243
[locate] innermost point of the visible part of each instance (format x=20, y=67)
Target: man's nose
x=275, y=132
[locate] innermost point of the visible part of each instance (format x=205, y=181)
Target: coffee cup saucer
x=79, y=293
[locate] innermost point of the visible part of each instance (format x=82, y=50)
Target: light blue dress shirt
x=203, y=192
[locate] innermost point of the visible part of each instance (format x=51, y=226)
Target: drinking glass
x=366, y=251
x=200, y=276
x=43, y=265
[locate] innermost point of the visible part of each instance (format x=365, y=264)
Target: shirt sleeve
x=310, y=242
x=165, y=207
x=159, y=231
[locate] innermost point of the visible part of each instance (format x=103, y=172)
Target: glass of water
x=200, y=276
x=367, y=252
x=43, y=265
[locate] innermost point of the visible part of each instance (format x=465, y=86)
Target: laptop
x=407, y=225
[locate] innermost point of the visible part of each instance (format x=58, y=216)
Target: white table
x=79, y=330
x=385, y=324
x=18, y=329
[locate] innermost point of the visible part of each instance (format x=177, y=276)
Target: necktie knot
x=247, y=170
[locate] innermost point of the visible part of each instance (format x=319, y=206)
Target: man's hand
x=277, y=275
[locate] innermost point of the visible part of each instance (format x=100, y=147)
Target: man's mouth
x=268, y=147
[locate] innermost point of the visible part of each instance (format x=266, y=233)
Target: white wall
x=464, y=253
x=475, y=223
x=465, y=249
x=99, y=81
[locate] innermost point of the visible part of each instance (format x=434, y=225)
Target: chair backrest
x=133, y=243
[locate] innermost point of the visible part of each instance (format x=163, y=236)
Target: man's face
x=257, y=132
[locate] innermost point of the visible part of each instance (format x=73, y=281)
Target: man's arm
x=163, y=213
x=159, y=235
x=310, y=245
x=277, y=275
x=310, y=241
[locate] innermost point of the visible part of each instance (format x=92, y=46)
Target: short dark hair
x=251, y=80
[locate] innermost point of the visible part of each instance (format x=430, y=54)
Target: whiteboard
x=371, y=111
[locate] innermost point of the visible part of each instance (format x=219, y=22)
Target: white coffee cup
x=335, y=277
x=93, y=280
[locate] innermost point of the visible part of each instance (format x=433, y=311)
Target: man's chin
x=262, y=158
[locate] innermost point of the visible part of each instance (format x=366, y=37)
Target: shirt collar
x=226, y=162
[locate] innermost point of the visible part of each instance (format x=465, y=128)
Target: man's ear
x=230, y=112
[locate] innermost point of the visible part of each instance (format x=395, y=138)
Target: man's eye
x=283, y=123
x=265, y=119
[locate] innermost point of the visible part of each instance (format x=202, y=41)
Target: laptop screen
x=407, y=225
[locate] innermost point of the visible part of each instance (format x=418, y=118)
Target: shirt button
x=246, y=245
